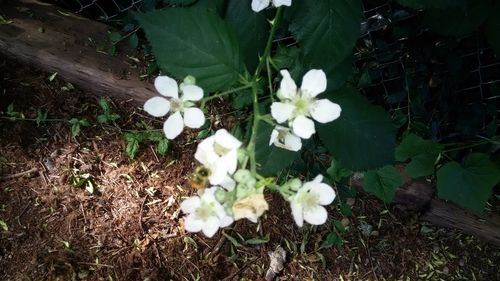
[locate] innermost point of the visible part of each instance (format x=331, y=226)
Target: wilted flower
x=219, y=153
x=283, y=137
x=298, y=105
x=307, y=204
x=259, y=5
x=251, y=207
x=205, y=213
x=183, y=111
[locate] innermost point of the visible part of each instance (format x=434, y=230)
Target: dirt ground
x=130, y=228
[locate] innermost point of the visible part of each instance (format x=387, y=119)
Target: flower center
x=176, y=105
x=220, y=150
x=205, y=211
x=302, y=104
x=308, y=200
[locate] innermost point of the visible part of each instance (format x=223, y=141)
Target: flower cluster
x=229, y=191
x=297, y=106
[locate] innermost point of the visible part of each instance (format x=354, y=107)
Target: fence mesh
x=394, y=63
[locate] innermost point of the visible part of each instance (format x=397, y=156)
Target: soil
x=131, y=227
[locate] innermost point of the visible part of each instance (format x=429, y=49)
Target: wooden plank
x=54, y=40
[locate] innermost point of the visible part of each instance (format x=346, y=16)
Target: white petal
x=218, y=173
x=210, y=226
x=193, y=117
x=292, y=142
x=274, y=136
x=281, y=112
x=314, y=82
x=228, y=183
x=325, y=111
x=278, y=3
x=259, y=5
x=316, y=215
x=167, y=86
x=297, y=214
x=205, y=151
x=303, y=127
x=191, y=204
x=192, y=224
x=226, y=140
x=230, y=161
x=287, y=89
x=173, y=126
x=157, y=106
x=325, y=193
x=192, y=93
x=226, y=221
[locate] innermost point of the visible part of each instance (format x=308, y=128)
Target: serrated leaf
x=429, y=4
x=469, y=185
x=272, y=159
x=423, y=155
x=194, y=42
x=132, y=148
x=162, y=147
x=251, y=28
x=363, y=137
x=337, y=172
x=382, y=182
x=326, y=30
x=457, y=21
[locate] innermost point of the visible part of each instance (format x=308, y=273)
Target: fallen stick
x=18, y=175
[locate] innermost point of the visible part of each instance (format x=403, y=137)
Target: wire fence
x=393, y=63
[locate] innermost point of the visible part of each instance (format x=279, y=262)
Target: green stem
x=225, y=93
x=466, y=146
x=31, y=119
x=256, y=76
x=269, y=80
x=255, y=128
x=267, y=50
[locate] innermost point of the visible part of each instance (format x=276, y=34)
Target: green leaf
x=4, y=226
x=339, y=226
x=429, y=4
x=469, y=185
x=382, y=182
x=133, y=40
x=363, y=137
x=326, y=30
x=179, y=2
x=423, y=155
x=258, y=240
x=132, y=148
x=332, y=240
x=272, y=159
x=194, y=42
x=162, y=147
x=492, y=28
x=251, y=28
x=337, y=172
x=456, y=21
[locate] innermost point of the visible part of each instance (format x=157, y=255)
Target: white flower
x=183, y=111
x=251, y=207
x=205, y=213
x=282, y=137
x=307, y=203
x=219, y=153
x=259, y=5
x=298, y=105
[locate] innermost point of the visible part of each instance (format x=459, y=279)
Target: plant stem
x=256, y=76
x=225, y=93
x=31, y=119
x=467, y=146
x=269, y=80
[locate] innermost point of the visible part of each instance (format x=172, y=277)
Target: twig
x=20, y=174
